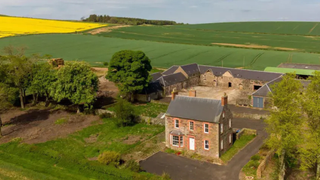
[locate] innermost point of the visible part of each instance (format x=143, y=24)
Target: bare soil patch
x=92, y=139
x=38, y=126
x=107, y=92
x=255, y=46
x=99, y=71
x=107, y=29
x=133, y=139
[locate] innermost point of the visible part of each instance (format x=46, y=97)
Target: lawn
x=96, y=50
x=69, y=158
x=149, y=109
x=237, y=146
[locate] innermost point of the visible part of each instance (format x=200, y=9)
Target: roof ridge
x=241, y=69
x=197, y=97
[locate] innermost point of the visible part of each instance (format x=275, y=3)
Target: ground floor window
x=221, y=144
x=230, y=138
x=177, y=141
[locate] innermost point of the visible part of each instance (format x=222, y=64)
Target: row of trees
x=20, y=74
x=294, y=126
x=125, y=20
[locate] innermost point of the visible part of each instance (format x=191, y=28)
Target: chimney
x=192, y=93
x=174, y=94
x=224, y=100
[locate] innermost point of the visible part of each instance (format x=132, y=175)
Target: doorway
x=191, y=143
x=229, y=84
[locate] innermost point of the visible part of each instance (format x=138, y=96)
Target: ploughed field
x=98, y=49
x=240, y=35
x=13, y=26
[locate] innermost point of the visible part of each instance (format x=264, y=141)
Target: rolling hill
x=96, y=50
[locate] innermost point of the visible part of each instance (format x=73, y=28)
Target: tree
x=285, y=120
x=130, y=71
x=43, y=77
x=310, y=149
x=125, y=112
x=76, y=82
x=18, y=69
x=7, y=95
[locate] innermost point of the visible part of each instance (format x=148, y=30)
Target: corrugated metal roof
x=172, y=79
x=201, y=109
x=241, y=73
x=171, y=70
x=290, y=70
x=191, y=69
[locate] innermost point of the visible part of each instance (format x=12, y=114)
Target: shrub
x=255, y=157
x=165, y=176
x=105, y=63
x=109, y=158
x=125, y=113
x=170, y=151
x=133, y=166
x=105, y=115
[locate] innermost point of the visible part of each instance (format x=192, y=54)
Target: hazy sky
x=187, y=11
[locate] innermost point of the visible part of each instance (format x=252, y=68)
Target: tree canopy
x=76, y=82
x=130, y=71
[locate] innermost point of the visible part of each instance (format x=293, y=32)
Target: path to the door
x=181, y=168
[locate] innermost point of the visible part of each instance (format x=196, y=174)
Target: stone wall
x=264, y=163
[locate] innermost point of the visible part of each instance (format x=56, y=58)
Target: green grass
x=95, y=49
x=155, y=70
x=236, y=147
x=186, y=35
x=67, y=158
x=250, y=169
x=149, y=109
x=60, y=121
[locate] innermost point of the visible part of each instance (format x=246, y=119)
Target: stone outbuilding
x=199, y=125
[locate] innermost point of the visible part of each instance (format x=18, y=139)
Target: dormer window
x=176, y=123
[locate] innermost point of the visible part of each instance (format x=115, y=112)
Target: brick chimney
x=224, y=100
x=192, y=93
x=174, y=94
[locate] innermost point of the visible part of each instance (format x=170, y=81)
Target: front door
x=191, y=143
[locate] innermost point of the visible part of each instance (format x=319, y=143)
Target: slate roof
x=201, y=109
x=268, y=87
x=191, y=69
x=153, y=87
x=241, y=73
x=155, y=76
x=172, y=79
x=171, y=70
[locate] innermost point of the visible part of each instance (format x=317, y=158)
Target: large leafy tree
x=76, y=82
x=130, y=71
x=18, y=69
x=310, y=149
x=43, y=76
x=286, y=118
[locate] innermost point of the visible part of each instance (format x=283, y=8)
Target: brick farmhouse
x=199, y=125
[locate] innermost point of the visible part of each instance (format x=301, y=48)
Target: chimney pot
x=192, y=93
x=224, y=100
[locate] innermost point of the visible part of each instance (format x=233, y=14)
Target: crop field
x=97, y=49
x=186, y=35
x=302, y=28
x=12, y=26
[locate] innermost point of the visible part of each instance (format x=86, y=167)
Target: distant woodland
x=125, y=20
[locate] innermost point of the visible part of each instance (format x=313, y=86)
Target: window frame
x=204, y=145
x=230, y=123
x=221, y=145
x=204, y=128
x=221, y=128
x=230, y=138
x=193, y=125
x=180, y=141
x=175, y=123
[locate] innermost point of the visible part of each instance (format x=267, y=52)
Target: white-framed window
x=223, y=115
x=221, y=144
x=221, y=128
x=191, y=125
x=230, y=138
x=230, y=123
x=206, y=128
x=176, y=123
x=177, y=141
x=206, y=144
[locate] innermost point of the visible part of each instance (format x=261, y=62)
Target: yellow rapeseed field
x=11, y=26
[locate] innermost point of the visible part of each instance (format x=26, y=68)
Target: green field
x=96, y=50
x=186, y=35
x=68, y=158
x=286, y=27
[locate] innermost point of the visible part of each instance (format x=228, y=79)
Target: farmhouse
x=199, y=125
